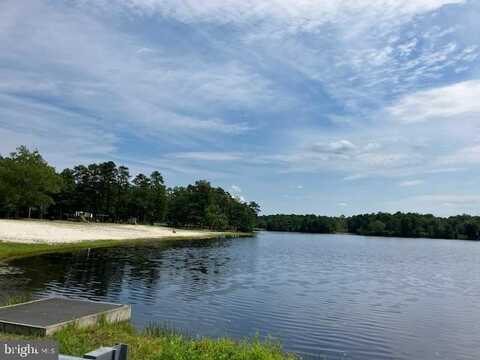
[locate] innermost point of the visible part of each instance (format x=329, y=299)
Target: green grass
x=162, y=344
x=10, y=250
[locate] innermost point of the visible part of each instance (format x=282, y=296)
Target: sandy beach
x=57, y=232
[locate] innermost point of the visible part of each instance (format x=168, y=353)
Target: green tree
x=141, y=197
x=376, y=227
x=123, y=192
x=471, y=230
x=66, y=199
x=215, y=218
x=158, y=197
x=27, y=182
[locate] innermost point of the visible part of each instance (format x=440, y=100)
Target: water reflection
x=99, y=274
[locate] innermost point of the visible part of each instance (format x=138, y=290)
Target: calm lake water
x=322, y=296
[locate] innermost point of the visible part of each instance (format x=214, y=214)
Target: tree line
x=300, y=223
x=411, y=225
x=30, y=187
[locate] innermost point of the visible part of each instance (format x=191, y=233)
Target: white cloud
x=447, y=102
x=384, y=149
x=209, y=156
x=355, y=177
x=86, y=65
x=340, y=147
x=343, y=204
x=145, y=50
x=407, y=48
x=392, y=156
x=240, y=198
x=236, y=188
x=438, y=204
x=365, y=41
x=372, y=146
x=298, y=15
x=410, y=183
x=367, y=44
x=466, y=155
x=49, y=129
x=157, y=92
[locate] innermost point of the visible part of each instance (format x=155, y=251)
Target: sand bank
x=33, y=231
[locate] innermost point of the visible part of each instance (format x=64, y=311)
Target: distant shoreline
x=402, y=225
x=365, y=235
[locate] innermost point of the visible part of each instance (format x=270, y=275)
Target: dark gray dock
x=46, y=316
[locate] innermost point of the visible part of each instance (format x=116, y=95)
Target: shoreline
x=63, y=232
x=23, y=238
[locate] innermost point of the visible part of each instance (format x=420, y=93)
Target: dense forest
x=30, y=187
x=380, y=224
x=302, y=223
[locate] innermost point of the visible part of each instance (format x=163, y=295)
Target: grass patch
x=10, y=250
x=157, y=330
x=162, y=344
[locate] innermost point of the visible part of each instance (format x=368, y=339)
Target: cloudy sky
x=326, y=106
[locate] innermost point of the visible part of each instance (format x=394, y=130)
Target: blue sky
x=325, y=107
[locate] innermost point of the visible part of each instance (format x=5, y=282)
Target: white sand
x=33, y=231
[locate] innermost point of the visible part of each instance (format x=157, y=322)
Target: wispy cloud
x=447, y=102
x=410, y=183
x=440, y=204
x=466, y=155
x=219, y=89
x=209, y=156
x=50, y=129
x=116, y=78
x=299, y=15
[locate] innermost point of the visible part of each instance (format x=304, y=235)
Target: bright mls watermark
x=28, y=350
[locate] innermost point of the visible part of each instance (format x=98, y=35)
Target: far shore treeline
x=411, y=225
x=30, y=187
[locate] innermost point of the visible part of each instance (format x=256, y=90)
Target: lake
x=322, y=296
